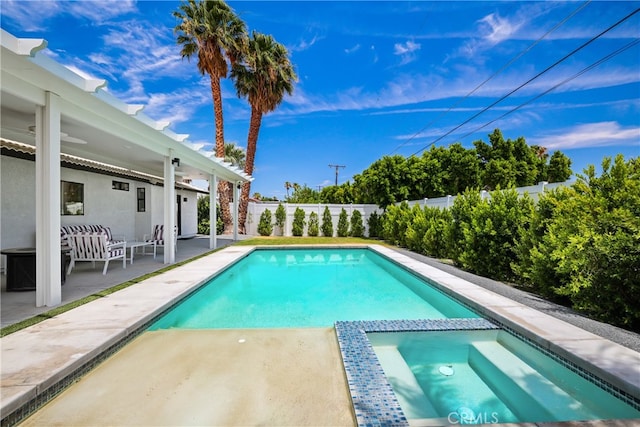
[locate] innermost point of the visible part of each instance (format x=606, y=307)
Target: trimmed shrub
x=434, y=241
x=375, y=225
x=490, y=239
x=327, y=223
x=357, y=228
x=461, y=212
x=395, y=223
x=264, y=226
x=298, y=222
x=281, y=217
x=203, y=217
x=343, y=224
x=313, y=231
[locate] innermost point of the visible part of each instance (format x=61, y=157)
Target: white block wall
x=256, y=209
x=533, y=191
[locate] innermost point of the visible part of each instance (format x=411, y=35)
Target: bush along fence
x=578, y=245
x=288, y=219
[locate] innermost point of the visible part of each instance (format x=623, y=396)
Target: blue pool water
x=474, y=377
x=310, y=288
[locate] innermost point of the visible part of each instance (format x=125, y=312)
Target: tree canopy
x=441, y=171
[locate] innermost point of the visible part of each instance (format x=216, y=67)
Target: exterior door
x=179, y=214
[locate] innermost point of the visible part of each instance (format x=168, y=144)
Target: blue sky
x=375, y=78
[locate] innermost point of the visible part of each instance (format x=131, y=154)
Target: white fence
x=256, y=209
x=447, y=201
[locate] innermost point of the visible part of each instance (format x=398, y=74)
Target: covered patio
x=86, y=280
x=47, y=105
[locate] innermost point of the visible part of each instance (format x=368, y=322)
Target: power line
x=573, y=52
x=504, y=67
x=568, y=79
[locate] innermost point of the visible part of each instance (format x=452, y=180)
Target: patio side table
x=132, y=246
x=21, y=268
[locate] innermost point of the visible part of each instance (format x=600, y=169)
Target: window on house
x=142, y=204
x=71, y=198
x=119, y=185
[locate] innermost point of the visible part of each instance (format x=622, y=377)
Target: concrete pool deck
x=39, y=357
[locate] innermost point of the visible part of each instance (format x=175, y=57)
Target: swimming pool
x=274, y=288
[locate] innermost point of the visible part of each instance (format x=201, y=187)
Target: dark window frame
x=119, y=185
x=71, y=198
x=141, y=199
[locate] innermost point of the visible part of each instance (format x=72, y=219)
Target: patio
x=85, y=280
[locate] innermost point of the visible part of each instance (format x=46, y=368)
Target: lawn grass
x=282, y=240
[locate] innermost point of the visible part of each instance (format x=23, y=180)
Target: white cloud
x=495, y=29
x=353, y=49
x=28, y=17
x=100, y=11
x=304, y=44
x=406, y=51
x=33, y=15
x=600, y=134
x=406, y=90
x=403, y=49
x=177, y=106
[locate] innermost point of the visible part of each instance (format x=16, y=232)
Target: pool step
x=515, y=382
x=412, y=399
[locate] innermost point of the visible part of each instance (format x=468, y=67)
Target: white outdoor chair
x=95, y=247
x=157, y=238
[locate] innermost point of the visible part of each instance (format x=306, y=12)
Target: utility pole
x=337, y=167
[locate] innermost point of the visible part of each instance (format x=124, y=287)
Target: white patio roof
x=47, y=105
x=116, y=133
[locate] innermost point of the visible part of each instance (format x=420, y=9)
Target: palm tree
x=210, y=30
x=264, y=76
x=287, y=186
x=234, y=154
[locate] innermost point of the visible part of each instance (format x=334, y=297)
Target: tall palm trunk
x=223, y=195
x=252, y=142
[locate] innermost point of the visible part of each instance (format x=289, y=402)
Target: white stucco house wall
x=118, y=208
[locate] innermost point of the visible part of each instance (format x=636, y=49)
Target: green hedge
x=577, y=245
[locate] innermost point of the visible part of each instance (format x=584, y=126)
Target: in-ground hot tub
x=466, y=371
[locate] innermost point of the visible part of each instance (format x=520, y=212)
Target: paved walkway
x=621, y=336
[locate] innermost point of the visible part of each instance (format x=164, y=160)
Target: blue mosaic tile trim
x=374, y=402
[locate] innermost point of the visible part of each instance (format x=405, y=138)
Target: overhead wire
x=568, y=79
x=504, y=67
x=564, y=58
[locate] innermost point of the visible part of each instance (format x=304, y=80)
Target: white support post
x=48, y=256
x=169, y=210
x=213, y=215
